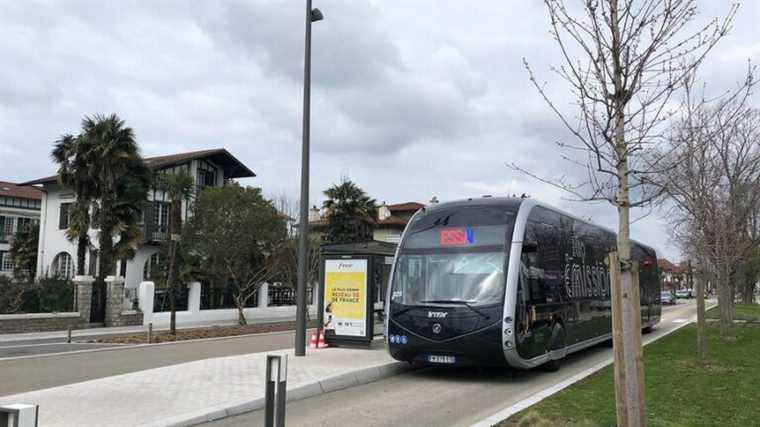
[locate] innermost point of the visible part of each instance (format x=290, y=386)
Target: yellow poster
x=346, y=296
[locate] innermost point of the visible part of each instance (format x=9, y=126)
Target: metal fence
x=161, y=299
x=281, y=295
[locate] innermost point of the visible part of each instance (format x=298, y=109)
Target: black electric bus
x=495, y=281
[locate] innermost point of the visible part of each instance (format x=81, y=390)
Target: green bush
x=49, y=295
x=11, y=295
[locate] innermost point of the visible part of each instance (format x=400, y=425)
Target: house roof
x=9, y=189
x=234, y=167
x=668, y=266
x=405, y=207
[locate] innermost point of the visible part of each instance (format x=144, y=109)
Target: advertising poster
x=346, y=297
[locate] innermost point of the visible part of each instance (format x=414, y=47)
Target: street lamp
x=312, y=15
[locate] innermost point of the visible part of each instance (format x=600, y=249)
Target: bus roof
x=514, y=203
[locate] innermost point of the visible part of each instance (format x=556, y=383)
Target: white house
x=57, y=255
x=19, y=207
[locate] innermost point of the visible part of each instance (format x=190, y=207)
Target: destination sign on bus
x=458, y=236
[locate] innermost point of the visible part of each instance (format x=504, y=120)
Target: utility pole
x=312, y=15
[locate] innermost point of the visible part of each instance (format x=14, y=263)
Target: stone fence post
x=114, y=300
x=84, y=296
x=146, y=294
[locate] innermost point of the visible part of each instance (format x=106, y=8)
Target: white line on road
x=543, y=394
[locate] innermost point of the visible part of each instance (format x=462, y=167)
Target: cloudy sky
x=411, y=98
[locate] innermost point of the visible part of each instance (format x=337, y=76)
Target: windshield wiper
x=458, y=302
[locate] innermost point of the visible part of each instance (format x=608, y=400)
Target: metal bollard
x=19, y=415
x=150, y=333
x=276, y=386
x=68, y=335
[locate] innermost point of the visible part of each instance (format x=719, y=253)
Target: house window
x=161, y=214
x=206, y=175
x=64, y=216
x=6, y=262
x=63, y=266
x=151, y=267
x=6, y=228
x=24, y=224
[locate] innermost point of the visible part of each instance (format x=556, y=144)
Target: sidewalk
x=196, y=392
x=96, y=332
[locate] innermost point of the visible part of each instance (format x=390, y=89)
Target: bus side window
x=531, y=260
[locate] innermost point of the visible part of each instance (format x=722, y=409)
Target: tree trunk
x=749, y=292
x=626, y=305
x=725, y=303
x=82, y=247
x=701, y=324
x=175, y=225
x=241, y=315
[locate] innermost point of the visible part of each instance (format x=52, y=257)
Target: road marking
x=137, y=346
x=680, y=320
x=543, y=394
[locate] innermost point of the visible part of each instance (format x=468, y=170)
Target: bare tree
x=623, y=61
x=287, y=205
x=713, y=181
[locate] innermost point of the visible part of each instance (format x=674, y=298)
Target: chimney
x=314, y=215
x=383, y=212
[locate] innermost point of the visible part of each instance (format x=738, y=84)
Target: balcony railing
x=6, y=237
x=154, y=233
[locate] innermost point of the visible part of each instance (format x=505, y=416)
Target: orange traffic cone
x=313, y=340
x=322, y=343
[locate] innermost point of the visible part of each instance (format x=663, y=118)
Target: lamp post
x=312, y=15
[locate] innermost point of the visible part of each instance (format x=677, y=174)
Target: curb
x=327, y=385
x=116, y=347
x=547, y=392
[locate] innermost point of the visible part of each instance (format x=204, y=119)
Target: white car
x=683, y=293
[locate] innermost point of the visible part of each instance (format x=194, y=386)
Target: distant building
x=390, y=223
x=57, y=255
x=19, y=208
x=672, y=275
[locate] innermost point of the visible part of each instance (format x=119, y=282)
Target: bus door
x=536, y=302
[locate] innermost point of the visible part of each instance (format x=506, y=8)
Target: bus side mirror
x=529, y=247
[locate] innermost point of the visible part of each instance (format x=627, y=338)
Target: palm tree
x=122, y=182
x=177, y=187
x=350, y=213
x=72, y=155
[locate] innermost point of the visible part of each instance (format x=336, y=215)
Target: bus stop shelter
x=353, y=285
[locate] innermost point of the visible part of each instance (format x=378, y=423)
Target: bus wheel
x=647, y=330
x=557, y=343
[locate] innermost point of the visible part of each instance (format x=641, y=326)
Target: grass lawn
x=749, y=312
x=679, y=392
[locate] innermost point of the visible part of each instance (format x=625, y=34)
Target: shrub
x=11, y=295
x=50, y=295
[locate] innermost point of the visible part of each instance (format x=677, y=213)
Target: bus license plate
x=441, y=359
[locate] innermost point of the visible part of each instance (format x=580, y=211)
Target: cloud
x=410, y=99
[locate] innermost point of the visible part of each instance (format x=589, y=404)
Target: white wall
x=53, y=241
x=194, y=315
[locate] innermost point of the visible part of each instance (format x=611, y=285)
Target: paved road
x=441, y=397
x=34, y=373
x=26, y=349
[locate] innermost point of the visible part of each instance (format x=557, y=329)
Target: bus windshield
x=474, y=278
x=455, y=256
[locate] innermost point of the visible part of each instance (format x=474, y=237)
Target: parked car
x=667, y=298
x=683, y=293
